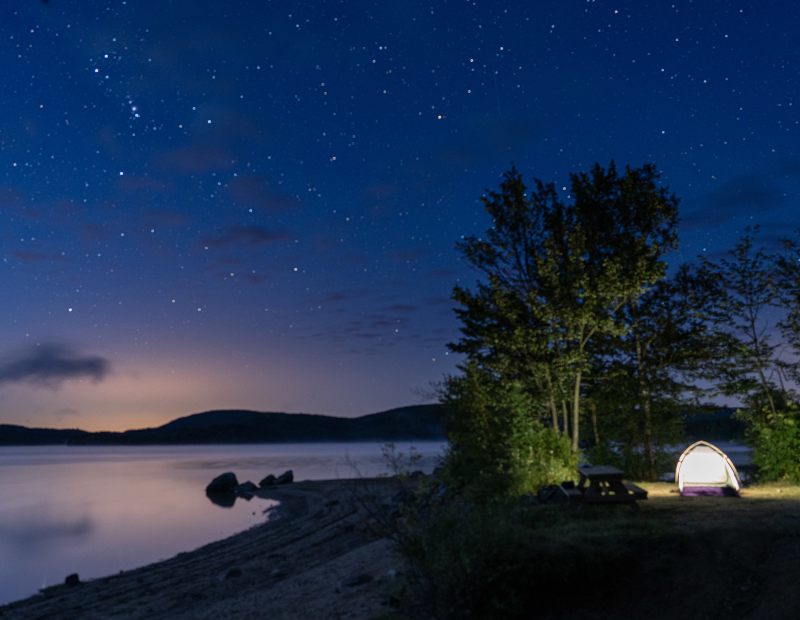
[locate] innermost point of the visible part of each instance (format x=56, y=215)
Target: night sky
x=255, y=204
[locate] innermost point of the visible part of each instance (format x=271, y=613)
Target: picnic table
x=603, y=485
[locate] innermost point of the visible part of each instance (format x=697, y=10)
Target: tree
x=496, y=447
x=556, y=275
x=747, y=288
x=648, y=376
x=787, y=282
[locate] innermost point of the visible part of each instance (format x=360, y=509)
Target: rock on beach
x=285, y=478
x=224, y=483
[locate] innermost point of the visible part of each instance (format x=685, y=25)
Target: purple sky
x=255, y=204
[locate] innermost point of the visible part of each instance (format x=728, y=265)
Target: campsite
x=678, y=556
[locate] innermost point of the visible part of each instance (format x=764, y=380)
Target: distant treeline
x=12, y=435
x=719, y=426
x=240, y=426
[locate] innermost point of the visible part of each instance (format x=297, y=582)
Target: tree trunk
x=551, y=400
x=649, y=458
x=593, y=412
x=576, y=403
x=759, y=366
x=566, y=417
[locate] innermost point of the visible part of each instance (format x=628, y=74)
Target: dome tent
x=704, y=469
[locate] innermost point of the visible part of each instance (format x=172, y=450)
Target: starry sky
x=254, y=204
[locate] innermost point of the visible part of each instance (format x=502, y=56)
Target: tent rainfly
x=704, y=469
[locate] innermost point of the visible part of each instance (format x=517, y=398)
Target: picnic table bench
x=603, y=485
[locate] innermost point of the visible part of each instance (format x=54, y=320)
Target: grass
x=514, y=561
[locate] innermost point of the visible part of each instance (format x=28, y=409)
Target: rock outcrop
x=224, y=483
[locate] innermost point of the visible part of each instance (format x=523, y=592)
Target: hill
x=13, y=435
x=242, y=426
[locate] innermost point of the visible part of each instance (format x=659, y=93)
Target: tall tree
x=787, y=280
x=748, y=288
x=556, y=275
x=648, y=376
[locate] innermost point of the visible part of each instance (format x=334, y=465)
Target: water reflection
x=33, y=533
x=226, y=500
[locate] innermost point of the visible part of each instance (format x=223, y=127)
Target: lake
x=100, y=510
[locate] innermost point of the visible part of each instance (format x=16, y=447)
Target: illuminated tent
x=704, y=469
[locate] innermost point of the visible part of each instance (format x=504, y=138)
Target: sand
x=294, y=566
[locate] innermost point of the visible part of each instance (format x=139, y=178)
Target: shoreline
x=295, y=565
x=318, y=560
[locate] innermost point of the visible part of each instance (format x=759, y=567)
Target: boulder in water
x=246, y=487
x=225, y=483
x=285, y=478
x=268, y=481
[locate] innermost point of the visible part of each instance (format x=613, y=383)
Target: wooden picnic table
x=603, y=485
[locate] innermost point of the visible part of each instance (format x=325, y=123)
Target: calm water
x=98, y=510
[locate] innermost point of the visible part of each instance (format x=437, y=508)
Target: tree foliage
x=572, y=312
x=775, y=439
x=555, y=275
x=648, y=376
x=497, y=448
x=748, y=290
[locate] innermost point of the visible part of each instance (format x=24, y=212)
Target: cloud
x=51, y=364
x=744, y=194
x=402, y=308
x=353, y=258
x=789, y=166
x=195, y=160
x=154, y=218
x=11, y=196
x=449, y=274
x=440, y=301
x=254, y=278
x=132, y=183
x=378, y=191
x=254, y=191
x=93, y=233
x=246, y=235
x=411, y=254
x=487, y=136
x=325, y=245
x=28, y=256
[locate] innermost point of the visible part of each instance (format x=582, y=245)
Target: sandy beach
x=317, y=559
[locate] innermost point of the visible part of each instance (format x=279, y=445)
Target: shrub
x=505, y=560
x=775, y=439
x=498, y=447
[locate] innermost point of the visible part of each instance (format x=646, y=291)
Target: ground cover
x=678, y=557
